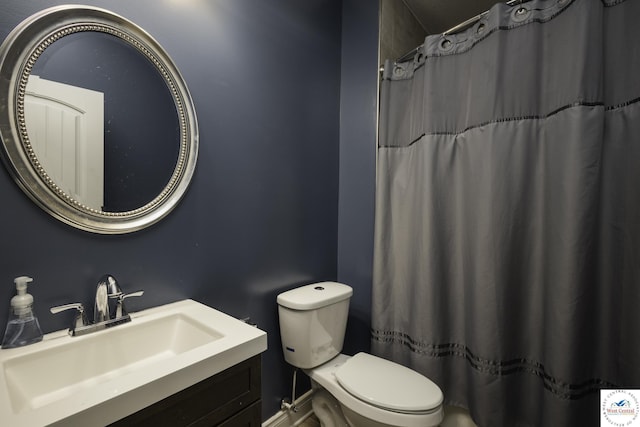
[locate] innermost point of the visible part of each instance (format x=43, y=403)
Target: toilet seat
x=388, y=385
x=324, y=376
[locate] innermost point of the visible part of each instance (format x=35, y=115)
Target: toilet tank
x=313, y=319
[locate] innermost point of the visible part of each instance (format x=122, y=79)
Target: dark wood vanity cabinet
x=230, y=398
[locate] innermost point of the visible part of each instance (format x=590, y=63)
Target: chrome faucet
x=109, y=309
x=110, y=299
x=101, y=306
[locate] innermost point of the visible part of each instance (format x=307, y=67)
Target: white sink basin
x=101, y=377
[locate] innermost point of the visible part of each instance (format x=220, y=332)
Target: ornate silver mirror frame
x=18, y=54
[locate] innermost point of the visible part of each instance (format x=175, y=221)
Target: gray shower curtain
x=507, y=242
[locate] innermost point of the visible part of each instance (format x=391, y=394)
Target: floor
x=454, y=417
x=312, y=421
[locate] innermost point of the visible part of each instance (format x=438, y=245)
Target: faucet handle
x=132, y=294
x=121, y=310
x=80, y=319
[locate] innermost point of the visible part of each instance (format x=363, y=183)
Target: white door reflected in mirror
x=65, y=125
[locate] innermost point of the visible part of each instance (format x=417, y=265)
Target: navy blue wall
x=358, y=124
x=262, y=213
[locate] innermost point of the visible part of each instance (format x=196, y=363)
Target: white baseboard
x=289, y=418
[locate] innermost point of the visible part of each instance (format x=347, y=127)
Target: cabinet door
x=207, y=403
x=249, y=417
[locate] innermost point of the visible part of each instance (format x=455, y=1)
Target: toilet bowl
x=361, y=390
x=327, y=408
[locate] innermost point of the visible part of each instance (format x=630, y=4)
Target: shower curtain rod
x=461, y=26
x=471, y=21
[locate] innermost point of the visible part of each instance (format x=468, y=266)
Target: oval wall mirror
x=97, y=124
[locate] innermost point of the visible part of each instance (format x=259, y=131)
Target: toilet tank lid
x=388, y=385
x=314, y=296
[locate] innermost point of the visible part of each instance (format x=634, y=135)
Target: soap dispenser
x=23, y=327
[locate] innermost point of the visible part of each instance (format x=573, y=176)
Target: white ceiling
x=437, y=16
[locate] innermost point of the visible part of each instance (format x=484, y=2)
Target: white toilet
x=361, y=390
